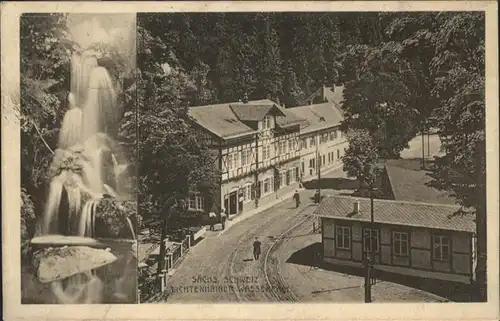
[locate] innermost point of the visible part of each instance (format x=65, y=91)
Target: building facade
x=257, y=143
x=409, y=238
x=322, y=144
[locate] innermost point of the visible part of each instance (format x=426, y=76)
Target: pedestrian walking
x=223, y=218
x=296, y=197
x=256, y=249
x=212, y=216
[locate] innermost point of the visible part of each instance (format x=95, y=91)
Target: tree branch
x=41, y=137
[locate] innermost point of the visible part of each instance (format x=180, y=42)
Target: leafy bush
x=27, y=223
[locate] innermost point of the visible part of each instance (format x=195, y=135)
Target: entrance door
x=233, y=200
x=240, y=199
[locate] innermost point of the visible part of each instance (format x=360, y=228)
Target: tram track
x=284, y=293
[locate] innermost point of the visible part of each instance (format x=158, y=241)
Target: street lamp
x=369, y=257
x=317, y=194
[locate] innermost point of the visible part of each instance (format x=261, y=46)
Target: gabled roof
x=255, y=110
x=410, y=183
x=219, y=120
x=412, y=214
x=228, y=120
x=318, y=116
x=289, y=119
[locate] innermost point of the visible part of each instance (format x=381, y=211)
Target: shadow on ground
x=337, y=183
x=456, y=292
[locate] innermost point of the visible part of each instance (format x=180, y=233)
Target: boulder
x=54, y=264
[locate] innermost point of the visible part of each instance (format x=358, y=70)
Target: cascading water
x=78, y=188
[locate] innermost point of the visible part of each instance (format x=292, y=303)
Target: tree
x=459, y=67
x=270, y=84
x=361, y=158
x=45, y=63
x=173, y=158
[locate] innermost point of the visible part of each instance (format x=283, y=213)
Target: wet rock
x=54, y=264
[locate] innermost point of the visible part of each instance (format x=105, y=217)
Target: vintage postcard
x=255, y=160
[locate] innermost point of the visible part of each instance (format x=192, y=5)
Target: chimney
x=356, y=207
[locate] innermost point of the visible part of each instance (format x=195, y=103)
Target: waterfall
x=99, y=110
x=53, y=202
x=85, y=139
x=71, y=127
x=86, y=225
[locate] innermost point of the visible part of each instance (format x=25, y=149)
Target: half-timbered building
x=257, y=143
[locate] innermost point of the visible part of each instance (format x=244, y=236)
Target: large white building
x=322, y=144
x=265, y=150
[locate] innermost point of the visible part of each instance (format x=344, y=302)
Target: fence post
x=162, y=282
x=189, y=241
x=314, y=227
x=181, y=248
x=165, y=276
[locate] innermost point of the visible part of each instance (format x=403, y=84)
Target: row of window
x=233, y=159
x=323, y=138
x=441, y=244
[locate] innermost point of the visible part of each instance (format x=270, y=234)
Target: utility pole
x=428, y=142
x=318, y=163
x=423, y=148
x=256, y=175
x=370, y=254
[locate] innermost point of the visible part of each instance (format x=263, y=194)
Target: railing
x=153, y=286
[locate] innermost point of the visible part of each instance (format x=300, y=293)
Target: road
x=221, y=267
x=225, y=261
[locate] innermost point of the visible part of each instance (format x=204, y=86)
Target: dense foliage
x=404, y=73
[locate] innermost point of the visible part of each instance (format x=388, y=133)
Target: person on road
x=317, y=197
x=212, y=216
x=256, y=249
x=223, y=218
x=296, y=197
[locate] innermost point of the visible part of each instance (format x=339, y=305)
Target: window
x=343, y=237
x=266, y=186
x=290, y=145
x=333, y=135
x=312, y=141
x=312, y=162
x=441, y=247
x=196, y=202
x=246, y=157
x=282, y=179
x=266, y=122
x=338, y=154
x=323, y=163
x=293, y=179
x=370, y=240
x=229, y=161
x=249, y=192
x=236, y=159
x=304, y=143
x=400, y=243
x=243, y=158
x=266, y=152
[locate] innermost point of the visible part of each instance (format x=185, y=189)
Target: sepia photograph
x=77, y=117
x=241, y=160
x=311, y=157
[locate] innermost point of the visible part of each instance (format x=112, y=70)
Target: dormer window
x=266, y=122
